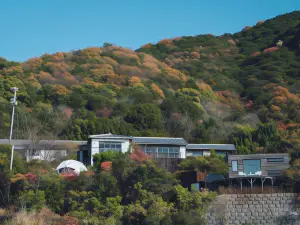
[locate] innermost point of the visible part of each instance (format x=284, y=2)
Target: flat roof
x=257, y=156
x=110, y=136
x=227, y=147
x=160, y=141
x=22, y=144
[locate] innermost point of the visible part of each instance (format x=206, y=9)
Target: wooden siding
x=267, y=168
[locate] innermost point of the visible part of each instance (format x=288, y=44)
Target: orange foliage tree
x=272, y=49
x=135, y=81
x=157, y=90
x=60, y=89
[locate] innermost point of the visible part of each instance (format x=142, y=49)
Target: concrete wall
x=254, y=209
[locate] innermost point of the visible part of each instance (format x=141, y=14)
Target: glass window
x=107, y=146
x=162, y=152
x=200, y=153
x=234, y=165
x=251, y=166
x=275, y=159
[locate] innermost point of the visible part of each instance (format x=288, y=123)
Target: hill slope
x=239, y=88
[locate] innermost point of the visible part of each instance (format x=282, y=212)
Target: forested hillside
x=241, y=88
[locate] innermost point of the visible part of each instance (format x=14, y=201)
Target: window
x=149, y=150
x=197, y=153
x=251, y=166
x=234, y=165
x=162, y=152
x=168, y=152
x=275, y=159
x=113, y=146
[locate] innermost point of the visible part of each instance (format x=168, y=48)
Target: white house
x=157, y=147
x=102, y=143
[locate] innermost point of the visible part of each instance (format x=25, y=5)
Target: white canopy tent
x=72, y=165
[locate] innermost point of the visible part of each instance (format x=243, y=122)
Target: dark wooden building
x=260, y=165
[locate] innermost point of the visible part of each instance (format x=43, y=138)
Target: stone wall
x=254, y=209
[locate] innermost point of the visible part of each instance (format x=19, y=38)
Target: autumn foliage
x=139, y=156
x=157, y=90
x=269, y=50
x=106, y=165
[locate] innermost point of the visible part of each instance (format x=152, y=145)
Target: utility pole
x=14, y=102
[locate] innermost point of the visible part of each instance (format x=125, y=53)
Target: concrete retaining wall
x=254, y=209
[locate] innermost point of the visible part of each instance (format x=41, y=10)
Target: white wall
x=94, y=148
x=125, y=146
x=183, y=152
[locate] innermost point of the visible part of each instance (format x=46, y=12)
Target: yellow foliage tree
x=157, y=90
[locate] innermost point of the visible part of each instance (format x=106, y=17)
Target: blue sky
x=33, y=27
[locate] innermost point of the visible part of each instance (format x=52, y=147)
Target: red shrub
x=106, y=165
x=282, y=126
x=69, y=176
x=272, y=49
x=30, y=176
x=249, y=104
x=139, y=156
x=68, y=112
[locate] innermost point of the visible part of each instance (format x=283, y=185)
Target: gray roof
x=23, y=144
x=214, y=177
x=159, y=141
x=227, y=147
x=109, y=135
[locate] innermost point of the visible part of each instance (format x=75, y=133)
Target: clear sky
x=30, y=28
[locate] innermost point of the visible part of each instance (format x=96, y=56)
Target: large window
x=113, y=146
x=149, y=151
x=168, y=152
x=162, y=152
x=234, y=166
x=251, y=166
